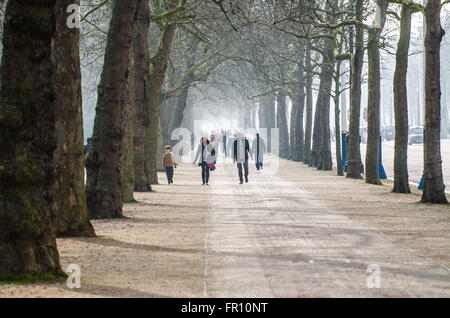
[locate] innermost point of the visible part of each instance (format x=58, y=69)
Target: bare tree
x=103, y=163
x=28, y=141
x=433, y=191
x=72, y=219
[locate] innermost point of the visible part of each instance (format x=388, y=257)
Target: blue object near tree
x=420, y=187
x=344, y=150
x=344, y=153
x=381, y=171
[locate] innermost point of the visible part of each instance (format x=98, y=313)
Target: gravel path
x=294, y=233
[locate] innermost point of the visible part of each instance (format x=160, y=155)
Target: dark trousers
x=205, y=172
x=259, y=165
x=239, y=165
x=169, y=174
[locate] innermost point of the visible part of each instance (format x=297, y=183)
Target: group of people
x=238, y=149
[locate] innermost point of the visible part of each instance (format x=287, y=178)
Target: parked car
x=416, y=135
x=388, y=133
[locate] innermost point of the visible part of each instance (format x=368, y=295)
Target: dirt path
x=291, y=239
x=298, y=233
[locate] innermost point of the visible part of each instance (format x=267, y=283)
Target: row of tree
x=329, y=33
x=154, y=54
x=43, y=191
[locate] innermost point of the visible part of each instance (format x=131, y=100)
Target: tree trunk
x=353, y=148
x=262, y=115
x=127, y=158
x=337, y=126
x=343, y=108
x=299, y=132
x=309, y=107
x=271, y=120
x=434, y=189
x=292, y=127
x=141, y=74
x=299, y=100
x=253, y=116
x=157, y=75
x=266, y=116
x=328, y=62
x=373, y=110
x=72, y=218
x=27, y=142
x=159, y=149
x=180, y=102
x=103, y=163
x=165, y=112
x=401, y=182
x=317, y=140
x=373, y=104
x=282, y=125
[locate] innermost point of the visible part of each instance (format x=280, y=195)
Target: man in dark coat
x=259, y=148
x=241, y=151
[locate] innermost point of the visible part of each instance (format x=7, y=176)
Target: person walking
x=259, y=149
x=169, y=164
x=215, y=143
x=224, y=143
x=241, y=151
x=230, y=143
x=205, y=156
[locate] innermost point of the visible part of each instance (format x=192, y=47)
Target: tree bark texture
x=157, y=75
x=103, y=163
x=353, y=147
x=127, y=158
x=282, y=125
x=337, y=126
x=309, y=108
x=401, y=182
x=141, y=88
x=328, y=63
x=373, y=103
x=72, y=218
x=434, y=188
x=316, y=138
x=28, y=141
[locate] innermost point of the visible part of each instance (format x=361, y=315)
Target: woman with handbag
x=205, y=156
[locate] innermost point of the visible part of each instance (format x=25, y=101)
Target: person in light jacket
x=230, y=144
x=205, y=155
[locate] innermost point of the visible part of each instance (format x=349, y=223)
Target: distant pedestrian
x=224, y=143
x=259, y=149
x=230, y=143
x=241, y=151
x=205, y=156
x=169, y=164
x=215, y=144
